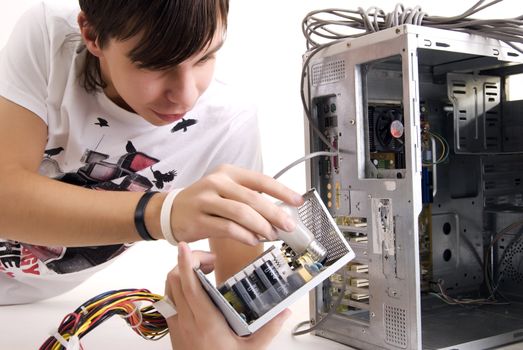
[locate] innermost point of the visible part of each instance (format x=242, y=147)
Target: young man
x=101, y=105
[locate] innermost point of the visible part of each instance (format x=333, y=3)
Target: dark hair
x=171, y=31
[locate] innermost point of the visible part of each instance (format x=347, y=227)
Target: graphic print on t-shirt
x=102, y=122
x=160, y=178
x=183, y=125
x=121, y=175
x=18, y=259
x=53, y=151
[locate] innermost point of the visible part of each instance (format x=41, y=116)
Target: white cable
x=165, y=216
x=302, y=159
x=336, y=24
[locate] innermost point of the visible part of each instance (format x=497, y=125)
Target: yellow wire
x=443, y=147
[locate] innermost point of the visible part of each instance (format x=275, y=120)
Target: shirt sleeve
x=24, y=63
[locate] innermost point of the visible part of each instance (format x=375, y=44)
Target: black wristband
x=139, y=220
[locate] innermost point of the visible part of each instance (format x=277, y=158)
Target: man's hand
x=229, y=204
x=199, y=325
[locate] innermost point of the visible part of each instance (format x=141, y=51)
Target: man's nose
x=182, y=88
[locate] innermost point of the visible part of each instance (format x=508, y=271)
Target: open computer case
x=427, y=186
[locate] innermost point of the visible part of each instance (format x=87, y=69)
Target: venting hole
x=447, y=228
x=447, y=255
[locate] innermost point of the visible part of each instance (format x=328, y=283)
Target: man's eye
x=206, y=58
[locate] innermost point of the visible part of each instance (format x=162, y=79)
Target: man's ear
x=88, y=36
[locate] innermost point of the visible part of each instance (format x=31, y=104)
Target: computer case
x=426, y=184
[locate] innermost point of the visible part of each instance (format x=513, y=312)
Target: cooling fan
x=389, y=129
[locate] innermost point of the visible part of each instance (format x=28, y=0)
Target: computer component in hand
x=281, y=275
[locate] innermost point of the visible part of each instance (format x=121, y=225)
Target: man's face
x=161, y=97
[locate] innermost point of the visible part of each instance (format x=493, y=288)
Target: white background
x=262, y=55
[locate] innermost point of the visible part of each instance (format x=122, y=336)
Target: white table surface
x=25, y=327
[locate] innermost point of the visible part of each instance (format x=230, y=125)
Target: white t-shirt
x=94, y=143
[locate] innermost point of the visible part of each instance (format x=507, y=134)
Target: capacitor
x=236, y=303
x=248, y=297
x=269, y=275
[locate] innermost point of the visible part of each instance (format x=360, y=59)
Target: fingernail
x=298, y=199
x=286, y=314
x=182, y=249
x=255, y=241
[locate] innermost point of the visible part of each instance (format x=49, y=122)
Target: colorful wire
x=146, y=321
x=444, y=145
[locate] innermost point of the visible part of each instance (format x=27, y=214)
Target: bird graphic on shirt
x=183, y=125
x=160, y=177
x=102, y=122
x=129, y=147
x=53, y=151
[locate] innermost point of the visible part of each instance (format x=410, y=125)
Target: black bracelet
x=139, y=220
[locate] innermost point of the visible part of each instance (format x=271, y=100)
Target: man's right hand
x=229, y=204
